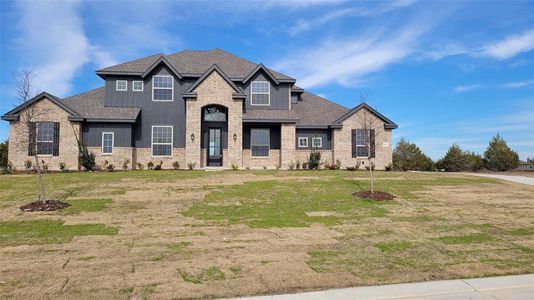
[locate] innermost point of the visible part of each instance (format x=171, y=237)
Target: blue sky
x=446, y=72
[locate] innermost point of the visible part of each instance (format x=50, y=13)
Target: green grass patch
x=179, y=247
x=127, y=290
x=393, y=246
x=521, y=231
x=85, y=205
x=86, y=258
x=236, y=270
x=210, y=274
x=37, y=232
x=157, y=258
x=466, y=239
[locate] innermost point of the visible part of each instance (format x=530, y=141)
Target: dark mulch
x=48, y=205
x=380, y=196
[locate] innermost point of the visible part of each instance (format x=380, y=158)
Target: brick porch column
x=287, y=145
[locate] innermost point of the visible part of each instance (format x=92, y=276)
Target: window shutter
x=372, y=142
x=55, y=151
x=353, y=142
x=31, y=139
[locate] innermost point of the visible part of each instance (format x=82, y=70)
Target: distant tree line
x=497, y=157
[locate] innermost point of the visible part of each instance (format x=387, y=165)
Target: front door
x=214, y=147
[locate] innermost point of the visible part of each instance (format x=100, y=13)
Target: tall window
x=362, y=140
x=162, y=88
x=137, y=86
x=259, y=142
x=121, y=85
x=317, y=142
x=45, y=138
x=260, y=93
x=107, y=142
x=161, y=140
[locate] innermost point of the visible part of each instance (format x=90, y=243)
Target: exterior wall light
x=192, y=137
x=235, y=137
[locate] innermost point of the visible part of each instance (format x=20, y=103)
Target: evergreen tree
x=407, y=156
x=499, y=156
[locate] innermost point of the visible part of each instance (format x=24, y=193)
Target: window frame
x=364, y=145
x=317, y=138
x=112, y=142
x=117, y=85
x=37, y=141
x=260, y=145
x=171, y=88
x=304, y=138
x=142, y=85
x=268, y=93
x=152, y=141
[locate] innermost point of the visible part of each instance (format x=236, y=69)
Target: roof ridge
x=341, y=106
x=131, y=61
x=83, y=93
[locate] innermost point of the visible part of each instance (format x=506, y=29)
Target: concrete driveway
x=517, y=287
x=514, y=178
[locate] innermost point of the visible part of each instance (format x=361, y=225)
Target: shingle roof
x=270, y=115
x=195, y=63
x=317, y=111
x=90, y=105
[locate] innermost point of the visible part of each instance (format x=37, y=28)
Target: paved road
x=517, y=287
x=514, y=178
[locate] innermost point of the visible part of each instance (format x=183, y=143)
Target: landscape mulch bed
x=48, y=205
x=379, y=196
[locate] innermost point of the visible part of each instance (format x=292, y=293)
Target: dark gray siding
x=294, y=98
x=92, y=134
x=279, y=94
x=274, y=134
x=152, y=112
x=325, y=134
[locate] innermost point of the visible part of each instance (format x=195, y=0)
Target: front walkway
x=503, y=287
x=514, y=178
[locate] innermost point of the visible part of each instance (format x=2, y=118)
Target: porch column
x=287, y=145
x=235, y=127
x=192, y=127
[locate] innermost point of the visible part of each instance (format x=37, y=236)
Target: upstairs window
x=162, y=141
x=317, y=142
x=162, y=88
x=121, y=85
x=137, y=86
x=107, y=142
x=45, y=138
x=214, y=114
x=303, y=142
x=260, y=93
x=260, y=142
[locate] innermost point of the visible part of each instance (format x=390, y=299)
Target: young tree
x=28, y=116
x=407, y=156
x=499, y=156
x=369, y=124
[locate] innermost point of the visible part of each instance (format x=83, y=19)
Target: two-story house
x=207, y=108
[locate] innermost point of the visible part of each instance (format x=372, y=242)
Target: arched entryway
x=214, y=132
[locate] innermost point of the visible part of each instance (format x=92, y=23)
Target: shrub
x=499, y=156
x=191, y=166
x=28, y=165
x=158, y=166
x=407, y=156
x=372, y=167
x=125, y=164
x=264, y=167
x=314, y=160
x=355, y=168
x=86, y=159
x=473, y=162
x=150, y=165
x=388, y=167
x=63, y=167
x=8, y=169
x=335, y=166
x=4, y=153
x=298, y=165
x=176, y=165
x=304, y=165
x=140, y=166
x=235, y=167
x=110, y=168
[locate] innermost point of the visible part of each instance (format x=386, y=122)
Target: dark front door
x=214, y=147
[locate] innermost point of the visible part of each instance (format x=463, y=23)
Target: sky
x=445, y=72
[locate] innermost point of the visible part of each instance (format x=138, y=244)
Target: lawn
x=194, y=234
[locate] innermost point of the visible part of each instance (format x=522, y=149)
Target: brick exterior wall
x=271, y=162
x=120, y=154
x=303, y=156
x=287, y=145
x=214, y=90
x=342, y=143
x=45, y=111
x=144, y=156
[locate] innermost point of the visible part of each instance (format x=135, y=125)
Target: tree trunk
x=42, y=195
x=372, y=178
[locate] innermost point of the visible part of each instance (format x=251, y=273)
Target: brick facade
x=287, y=151
x=271, y=162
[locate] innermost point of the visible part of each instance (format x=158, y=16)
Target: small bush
x=304, y=165
x=86, y=159
x=388, y=167
x=158, y=166
x=176, y=165
x=191, y=166
x=372, y=167
x=8, y=169
x=125, y=164
x=248, y=168
x=335, y=166
x=44, y=167
x=355, y=168
x=298, y=165
x=28, y=165
x=63, y=167
x=314, y=160
x=110, y=167
x=264, y=167
x=150, y=165
x=235, y=167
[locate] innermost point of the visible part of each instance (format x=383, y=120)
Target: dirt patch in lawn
x=48, y=205
x=378, y=196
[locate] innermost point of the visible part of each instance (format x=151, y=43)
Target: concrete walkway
x=514, y=178
x=505, y=287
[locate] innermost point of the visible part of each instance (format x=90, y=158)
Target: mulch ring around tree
x=48, y=205
x=379, y=196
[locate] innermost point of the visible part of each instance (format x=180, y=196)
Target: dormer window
x=162, y=88
x=260, y=93
x=121, y=85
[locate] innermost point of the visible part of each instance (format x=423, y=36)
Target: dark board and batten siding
x=274, y=134
x=279, y=95
x=122, y=134
x=325, y=134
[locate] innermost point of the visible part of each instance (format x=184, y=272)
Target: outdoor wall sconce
x=192, y=137
x=235, y=137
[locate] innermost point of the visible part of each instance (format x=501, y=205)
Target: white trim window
x=121, y=85
x=45, y=138
x=303, y=142
x=108, y=141
x=162, y=88
x=317, y=142
x=162, y=140
x=260, y=93
x=137, y=86
x=260, y=142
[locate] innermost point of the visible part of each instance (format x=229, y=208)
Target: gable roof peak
x=13, y=114
x=214, y=68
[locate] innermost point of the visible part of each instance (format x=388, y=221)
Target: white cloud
x=508, y=85
x=511, y=46
x=467, y=88
x=296, y=4
x=518, y=84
